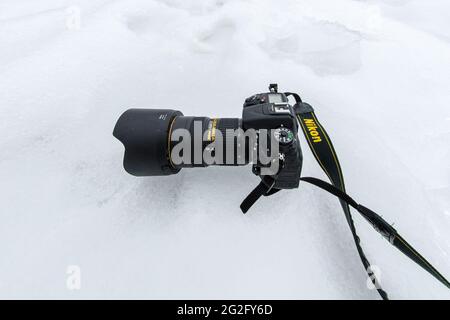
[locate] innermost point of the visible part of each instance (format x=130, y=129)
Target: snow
x=377, y=73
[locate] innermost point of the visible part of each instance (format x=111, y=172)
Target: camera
x=163, y=141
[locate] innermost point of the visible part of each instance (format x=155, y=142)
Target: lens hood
x=145, y=136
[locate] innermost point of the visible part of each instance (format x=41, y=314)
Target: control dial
x=284, y=135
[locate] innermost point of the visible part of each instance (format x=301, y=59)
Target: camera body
x=272, y=111
x=151, y=137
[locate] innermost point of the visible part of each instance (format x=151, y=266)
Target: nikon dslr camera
x=162, y=141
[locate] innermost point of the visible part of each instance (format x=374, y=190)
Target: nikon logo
x=312, y=128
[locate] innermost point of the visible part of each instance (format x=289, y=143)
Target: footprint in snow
x=216, y=38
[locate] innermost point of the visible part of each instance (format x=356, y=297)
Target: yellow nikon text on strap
x=312, y=128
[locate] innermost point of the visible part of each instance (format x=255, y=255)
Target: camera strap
x=264, y=188
x=323, y=150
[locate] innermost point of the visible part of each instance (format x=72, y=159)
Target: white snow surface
x=377, y=73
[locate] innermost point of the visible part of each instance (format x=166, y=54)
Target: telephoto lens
x=150, y=135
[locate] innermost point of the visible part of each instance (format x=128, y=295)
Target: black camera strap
x=264, y=188
x=323, y=150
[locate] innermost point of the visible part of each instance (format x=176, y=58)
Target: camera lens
x=145, y=136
